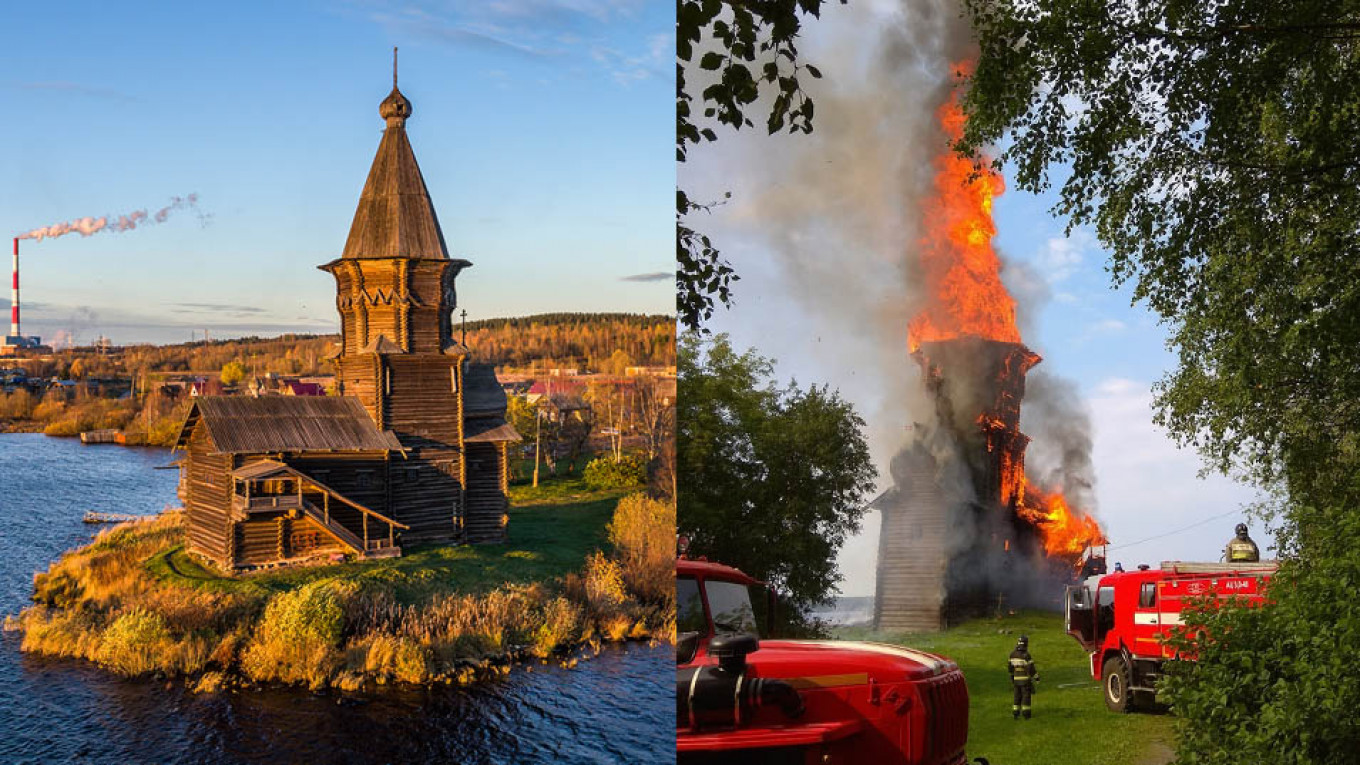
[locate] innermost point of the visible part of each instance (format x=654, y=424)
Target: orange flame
x=1066, y=533
x=961, y=271
x=962, y=276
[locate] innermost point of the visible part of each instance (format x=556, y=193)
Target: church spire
x=395, y=217
x=396, y=107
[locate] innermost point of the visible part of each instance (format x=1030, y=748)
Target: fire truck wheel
x=1115, y=680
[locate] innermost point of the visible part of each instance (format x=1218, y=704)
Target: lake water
x=616, y=708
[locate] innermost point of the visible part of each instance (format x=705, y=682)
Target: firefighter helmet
x=1022, y=642
x=1241, y=529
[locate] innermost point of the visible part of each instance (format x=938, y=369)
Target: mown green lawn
x=553, y=528
x=1071, y=725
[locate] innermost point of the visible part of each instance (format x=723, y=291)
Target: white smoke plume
x=111, y=223
x=840, y=210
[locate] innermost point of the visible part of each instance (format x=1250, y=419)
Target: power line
x=1176, y=531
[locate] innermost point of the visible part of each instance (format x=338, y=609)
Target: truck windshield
x=730, y=604
x=689, y=615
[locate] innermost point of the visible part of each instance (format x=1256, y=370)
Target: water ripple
x=613, y=709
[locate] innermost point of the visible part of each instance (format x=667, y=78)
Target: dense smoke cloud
x=111, y=223
x=840, y=207
x=840, y=211
x=1057, y=420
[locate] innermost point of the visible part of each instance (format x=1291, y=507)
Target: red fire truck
x=1123, y=619
x=742, y=699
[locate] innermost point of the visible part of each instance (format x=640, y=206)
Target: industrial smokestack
x=14, y=294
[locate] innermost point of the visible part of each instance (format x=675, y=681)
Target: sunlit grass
x=135, y=602
x=1070, y=725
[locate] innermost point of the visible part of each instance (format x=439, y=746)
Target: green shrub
x=315, y=611
x=298, y=637
x=605, y=473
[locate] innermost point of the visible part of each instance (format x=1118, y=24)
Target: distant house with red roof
x=299, y=388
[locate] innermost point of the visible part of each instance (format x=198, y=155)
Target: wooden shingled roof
x=482, y=392
x=275, y=424
x=395, y=218
x=489, y=430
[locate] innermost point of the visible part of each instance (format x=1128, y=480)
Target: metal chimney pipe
x=14, y=294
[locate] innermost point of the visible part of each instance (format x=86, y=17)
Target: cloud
x=654, y=276
x=414, y=21
x=560, y=12
x=1062, y=256
x=545, y=31
x=24, y=305
x=217, y=308
x=626, y=68
x=1100, y=328
x=1148, y=486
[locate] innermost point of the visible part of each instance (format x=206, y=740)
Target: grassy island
x=582, y=567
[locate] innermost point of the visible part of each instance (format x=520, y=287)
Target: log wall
x=207, y=500
x=399, y=298
x=487, y=504
x=912, y=558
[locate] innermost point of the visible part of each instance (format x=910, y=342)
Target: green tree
x=233, y=372
x=775, y=479
x=1277, y=684
x=1213, y=148
x=749, y=48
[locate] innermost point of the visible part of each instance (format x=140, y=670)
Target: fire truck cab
x=1123, y=619
x=745, y=699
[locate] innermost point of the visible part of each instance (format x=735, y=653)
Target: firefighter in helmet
x=1023, y=677
x=1241, y=549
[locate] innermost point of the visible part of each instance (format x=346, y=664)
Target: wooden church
x=414, y=447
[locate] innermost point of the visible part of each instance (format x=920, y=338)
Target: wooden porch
x=270, y=486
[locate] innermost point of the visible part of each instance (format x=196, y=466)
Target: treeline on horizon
x=584, y=341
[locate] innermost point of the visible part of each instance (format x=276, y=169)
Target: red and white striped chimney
x=14, y=294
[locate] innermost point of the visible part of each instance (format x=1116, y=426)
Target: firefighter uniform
x=1023, y=675
x=1241, y=548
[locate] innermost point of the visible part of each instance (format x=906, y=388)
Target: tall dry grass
x=99, y=603
x=643, y=535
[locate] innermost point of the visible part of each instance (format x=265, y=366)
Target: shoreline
x=37, y=430
x=134, y=603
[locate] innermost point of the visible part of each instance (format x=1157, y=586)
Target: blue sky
x=819, y=227
x=543, y=128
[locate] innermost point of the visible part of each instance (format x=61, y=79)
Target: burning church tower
x=414, y=449
x=962, y=528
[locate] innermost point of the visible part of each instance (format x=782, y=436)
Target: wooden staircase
x=376, y=548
